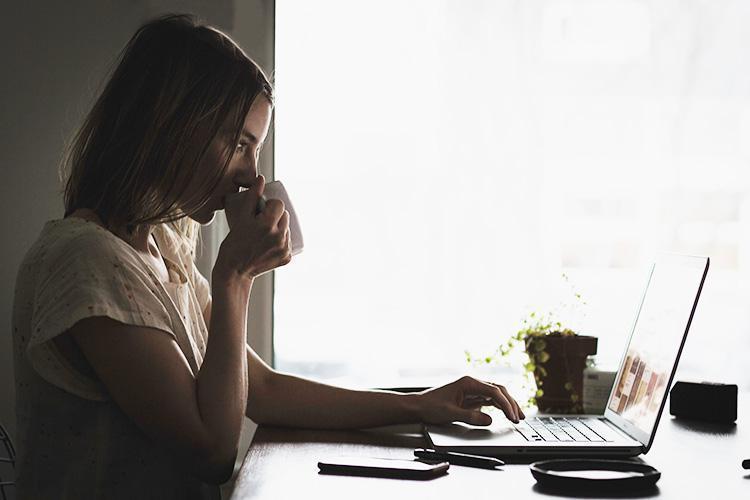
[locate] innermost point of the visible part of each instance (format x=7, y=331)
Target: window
x=449, y=161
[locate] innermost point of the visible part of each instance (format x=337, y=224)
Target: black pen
x=454, y=458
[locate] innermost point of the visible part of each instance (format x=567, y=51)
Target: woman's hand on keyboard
x=462, y=401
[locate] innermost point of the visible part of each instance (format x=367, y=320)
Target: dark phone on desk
x=381, y=467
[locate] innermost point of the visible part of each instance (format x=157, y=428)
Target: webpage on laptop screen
x=642, y=381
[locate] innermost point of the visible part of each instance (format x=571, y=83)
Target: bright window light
x=449, y=161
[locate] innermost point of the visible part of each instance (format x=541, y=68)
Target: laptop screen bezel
x=647, y=438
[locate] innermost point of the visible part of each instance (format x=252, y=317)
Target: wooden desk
x=696, y=460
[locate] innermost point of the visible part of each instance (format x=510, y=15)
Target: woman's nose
x=247, y=175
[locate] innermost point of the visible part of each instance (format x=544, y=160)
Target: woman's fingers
x=476, y=387
x=462, y=401
x=283, y=223
x=473, y=417
x=286, y=257
x=241, y=206
x=504, y=390
x=274, y=211
x=474, y=403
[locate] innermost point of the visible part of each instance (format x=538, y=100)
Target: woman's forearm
x=222, y=380
x=287, y=400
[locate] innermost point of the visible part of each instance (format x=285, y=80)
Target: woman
x=133, y=377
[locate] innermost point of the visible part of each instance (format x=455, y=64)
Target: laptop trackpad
x=458, y=434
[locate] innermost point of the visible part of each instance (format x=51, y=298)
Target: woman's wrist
x=412, y=404
x=225, y=277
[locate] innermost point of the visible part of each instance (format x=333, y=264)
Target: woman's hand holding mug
x=258, y=241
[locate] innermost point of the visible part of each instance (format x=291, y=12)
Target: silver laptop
x=638, y=395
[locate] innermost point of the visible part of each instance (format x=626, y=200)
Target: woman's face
x=243, y=164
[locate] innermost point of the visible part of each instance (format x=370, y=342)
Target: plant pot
x=559, y=373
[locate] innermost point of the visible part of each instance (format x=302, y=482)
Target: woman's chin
x=204, y=218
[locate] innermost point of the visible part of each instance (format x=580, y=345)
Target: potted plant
x=557, y=356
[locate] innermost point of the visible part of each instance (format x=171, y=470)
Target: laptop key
x=600, y=428
x=547, y=435
x=537, y=425
x=528, y=433
x=560, y=434
x=581, y=428
x=572, y=432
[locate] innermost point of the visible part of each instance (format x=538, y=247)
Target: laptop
x=638, y=395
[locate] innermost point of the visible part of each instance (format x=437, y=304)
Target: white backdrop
x=449, y=160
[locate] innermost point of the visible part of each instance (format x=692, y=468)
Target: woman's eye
x=241, y=147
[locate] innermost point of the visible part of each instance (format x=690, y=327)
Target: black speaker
x=707, y=401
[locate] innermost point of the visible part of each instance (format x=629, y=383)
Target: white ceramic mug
x=273, y=191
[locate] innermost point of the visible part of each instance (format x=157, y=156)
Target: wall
x=55, y=55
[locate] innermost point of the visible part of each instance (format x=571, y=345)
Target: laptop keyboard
x=565, y=429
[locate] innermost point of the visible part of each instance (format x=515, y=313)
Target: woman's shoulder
x=74, y=244
x=74, y=237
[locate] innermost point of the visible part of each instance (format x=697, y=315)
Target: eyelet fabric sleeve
x=84, y=274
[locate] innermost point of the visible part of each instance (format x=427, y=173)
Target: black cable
x=11, y=458
x=8, y=444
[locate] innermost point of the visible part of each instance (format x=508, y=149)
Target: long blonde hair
x=176, y=83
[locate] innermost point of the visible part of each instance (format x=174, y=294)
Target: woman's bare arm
x=281, y=399
x=198, y=417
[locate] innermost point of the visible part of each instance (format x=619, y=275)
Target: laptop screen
x=658, y=334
